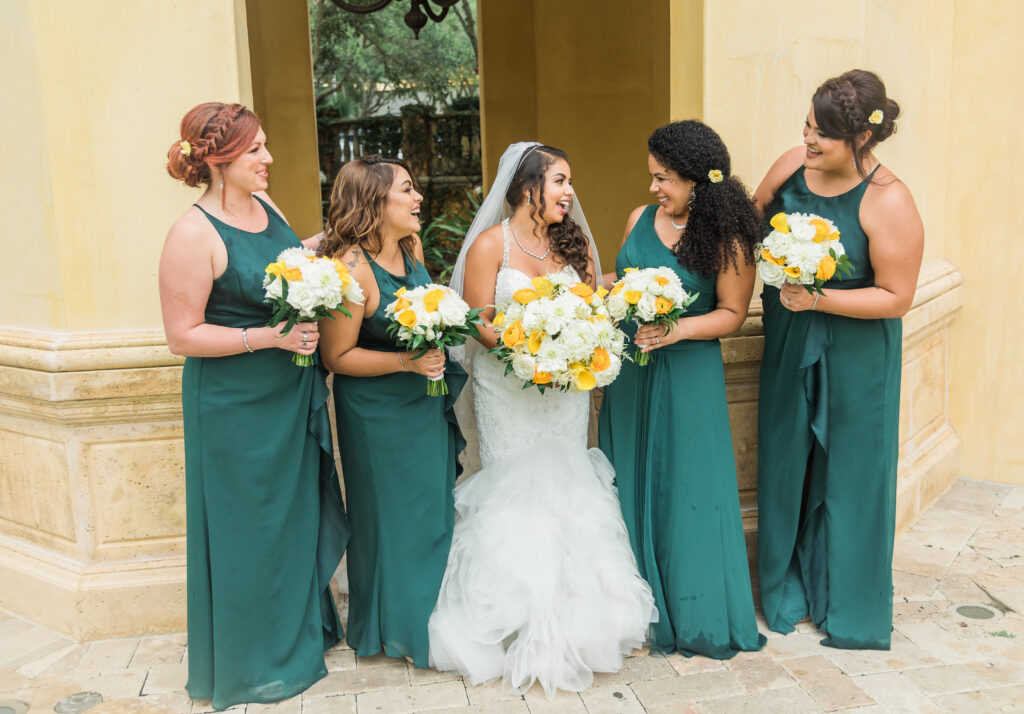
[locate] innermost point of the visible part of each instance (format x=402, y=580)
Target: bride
x=541, y=583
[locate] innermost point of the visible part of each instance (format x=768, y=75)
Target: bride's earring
x=527, y=199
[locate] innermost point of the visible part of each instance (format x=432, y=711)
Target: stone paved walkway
x=968, y=549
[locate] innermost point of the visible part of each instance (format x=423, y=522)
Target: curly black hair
x=723, y=221
x=567, y=239
x=843, y=109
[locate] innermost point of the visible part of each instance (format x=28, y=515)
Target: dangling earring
x=690, y=200
x=527, y=199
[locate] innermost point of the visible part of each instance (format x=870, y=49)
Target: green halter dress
x=665, y=428
x=399, y=458
x=828, y=424
x=265, y=521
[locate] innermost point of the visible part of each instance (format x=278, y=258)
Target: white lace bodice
x=510, y=418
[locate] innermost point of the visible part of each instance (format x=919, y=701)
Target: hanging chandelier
x=419, y=12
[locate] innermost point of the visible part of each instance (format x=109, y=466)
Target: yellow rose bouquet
x=650, y=296
x=431, y=317
x=802, y=249
x=302, y=287
x=557, y=333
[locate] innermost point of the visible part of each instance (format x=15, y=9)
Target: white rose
x=646, y=310
x=617, y=307
x=274, y=288
x=771, y=273
x=523, y=365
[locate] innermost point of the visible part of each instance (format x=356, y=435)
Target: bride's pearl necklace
x=528, y=252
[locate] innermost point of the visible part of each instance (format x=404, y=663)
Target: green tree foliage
x=361, y=63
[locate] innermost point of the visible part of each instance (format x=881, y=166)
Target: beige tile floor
x=968, y=549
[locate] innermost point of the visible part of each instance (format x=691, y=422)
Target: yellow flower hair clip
x=715, y=176
x=186, y=148
x=876, y=117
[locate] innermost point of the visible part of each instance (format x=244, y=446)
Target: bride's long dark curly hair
x=723, y=222
x=568, y=240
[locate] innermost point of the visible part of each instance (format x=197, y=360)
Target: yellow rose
x=767, y=255
x=541, y=377
x=401, y=304
x=585, y=380
x=601, y=291
x=400, y=292
x=662, y=305
x=793, y=271
x=715, y=176
x=601, y=360
x=629, y=270
x=779, y=223
x=543, y=286
x=617, y=288
x=834, y=235
x=292, y=276
x=498, y=320
x=407, y=318
x=524, y=296
x=514, y=335
x=431, y=299
x=582, y=290
x=820, y=230
x=632, y=296
x=826, y=268
x=535, y=339
x=277, y=268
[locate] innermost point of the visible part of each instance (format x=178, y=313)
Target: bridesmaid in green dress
x=399, y=447
x=665, y=426
x=265, y=524
x=830, y=377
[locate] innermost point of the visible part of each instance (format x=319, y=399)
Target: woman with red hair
x=266, y=527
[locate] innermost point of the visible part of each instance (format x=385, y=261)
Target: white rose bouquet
x=649, y=296
x=303, y=287
x=802, y=249
x=557, y=333
x=431, y=317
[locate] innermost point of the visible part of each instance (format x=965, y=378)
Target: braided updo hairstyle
x=723, y=221
x=567, y=239
x=212, y=134
x=844, y=105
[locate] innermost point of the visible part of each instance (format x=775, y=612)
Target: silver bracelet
x=245, y=341
x=401, y=362
x=816, y=296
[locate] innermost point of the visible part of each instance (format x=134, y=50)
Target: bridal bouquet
x=802, y=249
x=431, y=317
x=649, y=296
x=302, y=287
x=557, y=333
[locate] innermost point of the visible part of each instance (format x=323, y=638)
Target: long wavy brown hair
x=356, y=215
x=568, y=240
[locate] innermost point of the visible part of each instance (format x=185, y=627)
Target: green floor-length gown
x=266, y=526
x=827, y=446
x=399, y=458
x=665, y=428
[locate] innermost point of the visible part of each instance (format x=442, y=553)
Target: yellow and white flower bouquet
x=557, y=333
x=802, y=249
x=650, y=296
x=431, y=317
x=304, y=287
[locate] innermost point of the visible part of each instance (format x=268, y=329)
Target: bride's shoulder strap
x=507, y=244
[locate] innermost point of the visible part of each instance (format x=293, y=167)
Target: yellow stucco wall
x=591, y=78
x=952, y=66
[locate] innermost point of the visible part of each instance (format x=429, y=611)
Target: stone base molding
x=92, y=487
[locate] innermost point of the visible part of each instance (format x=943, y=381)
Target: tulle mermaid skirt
x=541, y=584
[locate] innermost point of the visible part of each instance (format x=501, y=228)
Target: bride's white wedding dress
x=541, y=583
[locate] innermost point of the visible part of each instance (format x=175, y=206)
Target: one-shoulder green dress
x=399, y=458
x=265, y=522
x=665, y=428
x=828, y=425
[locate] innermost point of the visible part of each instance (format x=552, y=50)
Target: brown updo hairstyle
x=567, y=239
x=843, y=105
x=356, y=215
x=217, y=134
